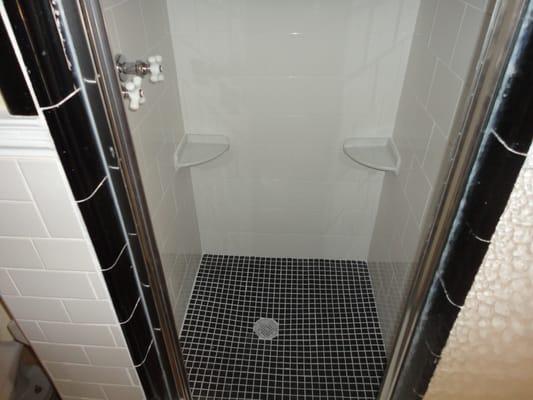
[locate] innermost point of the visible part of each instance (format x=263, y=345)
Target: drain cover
x=266, y=328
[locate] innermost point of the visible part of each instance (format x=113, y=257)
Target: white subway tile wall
x=139, y=29
x=51, y=283
x=287, y=81
x=446, y=35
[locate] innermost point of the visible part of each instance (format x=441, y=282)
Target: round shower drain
x=266, y=328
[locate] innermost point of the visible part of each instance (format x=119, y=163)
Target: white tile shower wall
x=51, y=280
x=443, y=47
x=287, y=81
x=138, y=29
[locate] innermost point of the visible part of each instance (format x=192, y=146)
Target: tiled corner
x=287, y=93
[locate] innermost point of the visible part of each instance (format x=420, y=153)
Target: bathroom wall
x=50, y=279
x=138, y=29
x=444, y=43
x=287, y=81
x=489, y=354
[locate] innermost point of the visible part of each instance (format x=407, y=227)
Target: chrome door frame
x=113, y=101
x=492, y=54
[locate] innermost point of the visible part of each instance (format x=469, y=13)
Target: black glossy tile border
x=507, y=138
x=95, y=186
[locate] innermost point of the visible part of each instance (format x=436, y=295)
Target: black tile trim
x=73, y=108
x=497, y=164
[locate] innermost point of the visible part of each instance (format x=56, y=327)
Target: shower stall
x=291, y=163
x=284, y=163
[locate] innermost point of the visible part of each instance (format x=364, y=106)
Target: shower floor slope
x=329, y=344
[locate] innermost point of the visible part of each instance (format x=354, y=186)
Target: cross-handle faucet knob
x=156, y=71
x=134, y=92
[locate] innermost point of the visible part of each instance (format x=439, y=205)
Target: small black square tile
x=329, y=344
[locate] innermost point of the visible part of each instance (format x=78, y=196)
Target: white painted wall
x=287, y=81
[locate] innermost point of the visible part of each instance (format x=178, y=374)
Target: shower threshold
x=328, y=343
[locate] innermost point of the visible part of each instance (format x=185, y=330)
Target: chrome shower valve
x=140, y=68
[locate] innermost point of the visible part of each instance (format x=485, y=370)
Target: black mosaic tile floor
x=329, y=344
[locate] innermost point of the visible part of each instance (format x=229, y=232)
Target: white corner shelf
x=376, y=153
x=199, y=149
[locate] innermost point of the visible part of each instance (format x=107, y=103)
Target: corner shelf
x=376, y=153
x=199, y=149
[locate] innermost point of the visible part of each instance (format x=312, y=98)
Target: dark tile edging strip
x=503, y=151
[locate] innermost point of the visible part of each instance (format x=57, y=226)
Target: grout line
x=200, y=261
x=430, y=35
x=90, y=196
x=146, y=355
x=132, y=312
x=44, y=267
x=475, y=235
x=60, y=271
x=113, y=335
x=91, y=81
x=28, y=187
x=507, y=147
x=457, y=37
x=76, y=345
x=8, y=201
x=19, y=293
x=60, y=103
x=431, y=351
x=86, y=354
x=101, y=325
x=41, y=330
x=116, y=260
x=59, y=238
x=65, y=309
x=448, y=295
x=92, y=286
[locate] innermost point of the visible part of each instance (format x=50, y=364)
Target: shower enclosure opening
x=292, y=155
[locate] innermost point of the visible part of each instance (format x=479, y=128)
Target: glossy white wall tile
x=50, y=279
x=441, y=55
x=19, y=253
x=58, y=212
x=287, y=82
x=60, y=353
